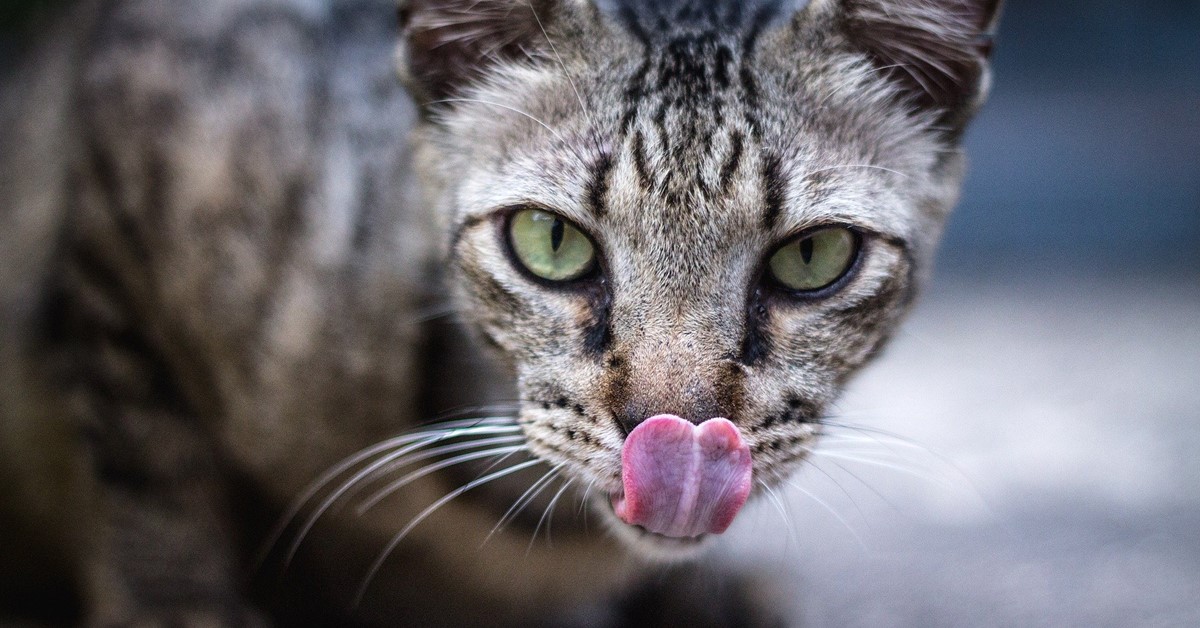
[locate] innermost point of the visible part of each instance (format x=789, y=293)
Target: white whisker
x=886, y=465
x=521, y=502
x=891, y=441
x=464, y=414
x=557, y=135
x=379, y=495
x=833, y=512
x=583, y=502
x=859, y=479
x=549, y=511
x=358, y=457
x=433, y=313
x=426, y=454
x=874, y=432
x=867, y=166
x=502, y=106
x=582, y=107
x=841, y=488
x=773, y=496
x=370, y=470
x=362, y=589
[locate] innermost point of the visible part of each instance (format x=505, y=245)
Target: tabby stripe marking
x=773, y=189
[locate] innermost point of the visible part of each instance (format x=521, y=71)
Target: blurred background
x=1027, y=453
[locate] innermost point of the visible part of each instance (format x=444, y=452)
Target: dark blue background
x=1086, y=157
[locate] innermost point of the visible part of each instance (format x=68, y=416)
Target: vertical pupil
x=806, y=250
x=556, y=234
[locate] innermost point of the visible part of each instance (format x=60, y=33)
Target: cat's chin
x=649, y=545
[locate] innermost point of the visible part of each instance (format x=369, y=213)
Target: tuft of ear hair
x=936, y=50
x=447, y=44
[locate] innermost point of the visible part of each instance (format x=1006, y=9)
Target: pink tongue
x=683, y=480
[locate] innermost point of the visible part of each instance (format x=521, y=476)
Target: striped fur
x=232, y=233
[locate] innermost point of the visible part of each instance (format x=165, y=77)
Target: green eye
x=816, y=260
x=549, y=246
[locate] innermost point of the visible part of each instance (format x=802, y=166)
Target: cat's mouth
x=647, y=544
x=681, y=482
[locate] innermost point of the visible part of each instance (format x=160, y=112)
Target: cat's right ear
x=445, y=45
x=934, y=52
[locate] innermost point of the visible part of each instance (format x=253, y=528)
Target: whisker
x=433, y=313
x=496, y=462
x=571, y=81
x=557, y=135
x=857, y=449
x=832, y=439
x=470, y=414
x=480, y=101
x=874, y=432
x=861, y=481
x=867, y=166
x=349, y=462
x=583, y=502
x=812, y=463
x=890, y=440
x=521, y=502
x=362, y=589
x=833, y=512
x=549, y=511
x=379, y=495
x=783, y=512
x=372, y=469
x=418, y=456
x=888, y=450
x=886, y=465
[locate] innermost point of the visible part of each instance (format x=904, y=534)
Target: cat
x=594, y=269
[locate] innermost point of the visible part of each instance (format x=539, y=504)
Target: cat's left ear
x=936, y=51
x=446, y=45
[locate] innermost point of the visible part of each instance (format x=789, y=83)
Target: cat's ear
x=447, y=44
x=935, y=50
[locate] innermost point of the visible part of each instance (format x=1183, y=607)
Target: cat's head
x=690, y=208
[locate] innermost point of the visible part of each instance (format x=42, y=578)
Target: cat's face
x=699, y=222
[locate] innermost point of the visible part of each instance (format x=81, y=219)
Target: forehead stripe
x=597, y=189
x=773, y=189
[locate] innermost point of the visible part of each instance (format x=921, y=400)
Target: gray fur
x=230, y=227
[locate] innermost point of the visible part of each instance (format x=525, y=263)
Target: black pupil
x=556, y=234
x=806, y=250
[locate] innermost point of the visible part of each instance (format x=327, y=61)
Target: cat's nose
x=695, y=393
x=639, y=409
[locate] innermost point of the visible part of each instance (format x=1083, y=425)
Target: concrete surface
x=1027, y=453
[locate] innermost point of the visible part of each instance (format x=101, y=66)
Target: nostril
x=636, y=413
x=628, y=419
x=693, y=393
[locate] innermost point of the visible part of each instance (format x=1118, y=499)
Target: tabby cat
x=596, y=274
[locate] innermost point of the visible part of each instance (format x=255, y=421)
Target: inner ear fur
x=935, y=51
x=447, y=44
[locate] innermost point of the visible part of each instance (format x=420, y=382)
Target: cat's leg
x=160, y=547
x=162, y=552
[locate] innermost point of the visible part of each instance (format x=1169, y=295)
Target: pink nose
x=683, y=480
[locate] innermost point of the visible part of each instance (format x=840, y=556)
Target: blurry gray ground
x=1045, y=471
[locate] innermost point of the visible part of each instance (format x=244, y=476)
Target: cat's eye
x=814, y=260
x=550, y=247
